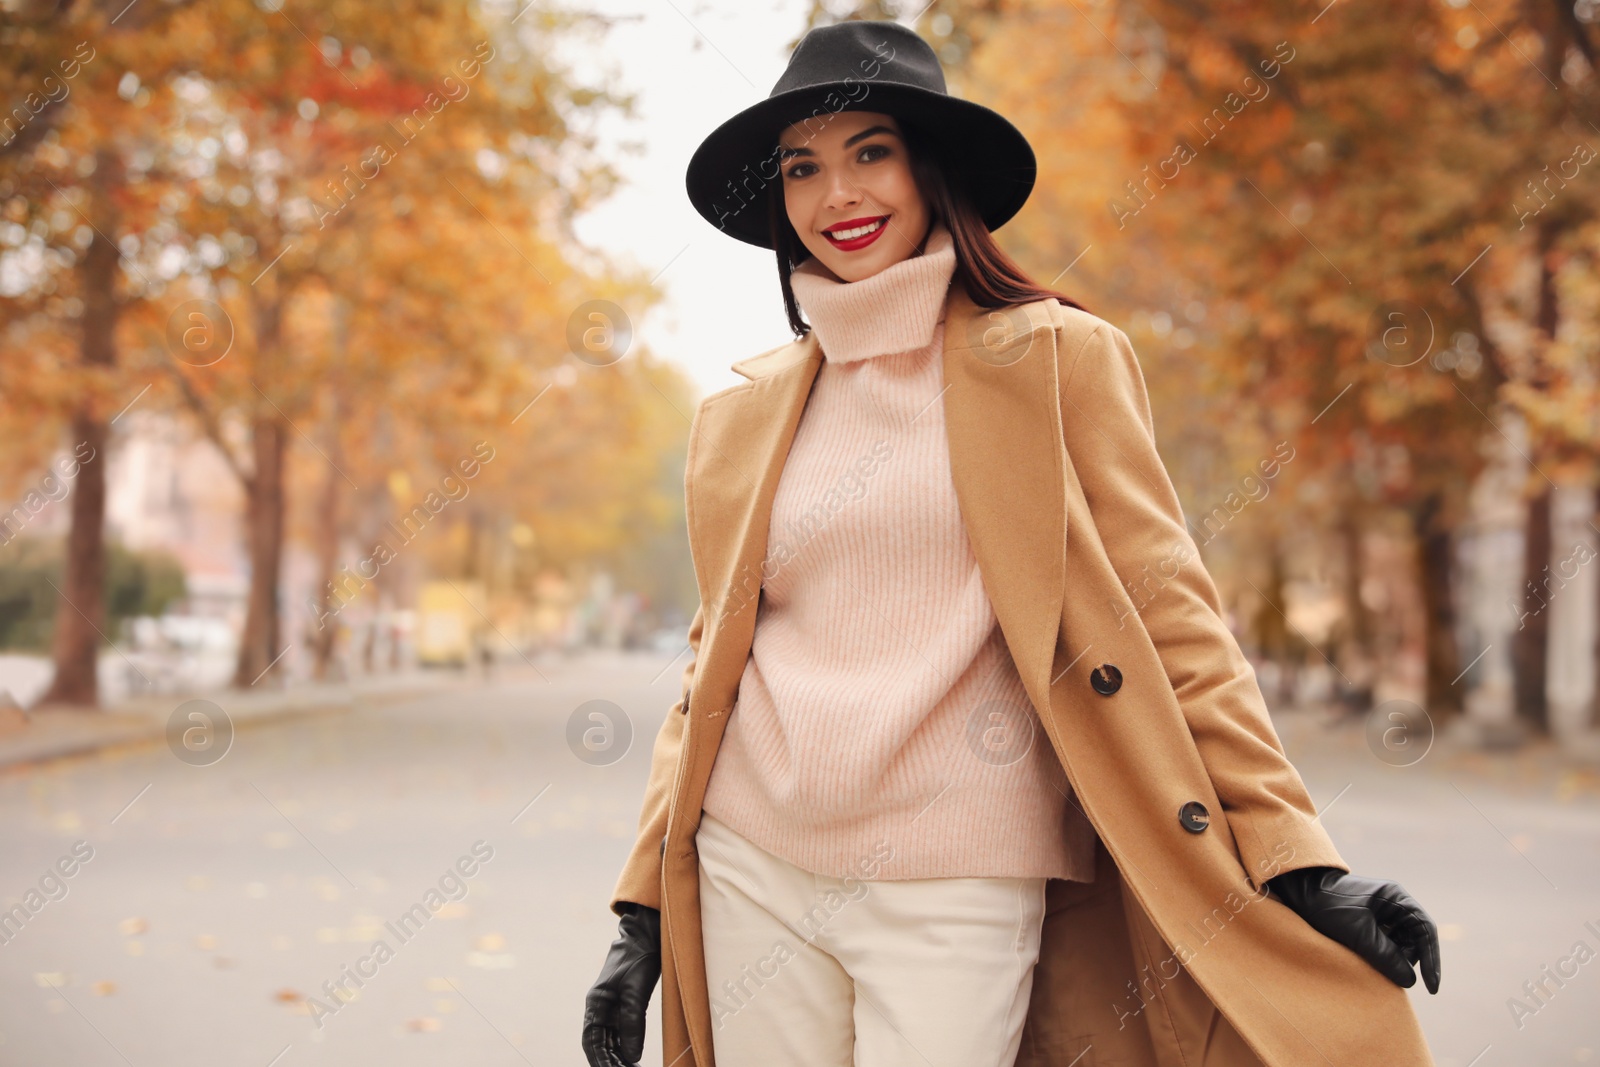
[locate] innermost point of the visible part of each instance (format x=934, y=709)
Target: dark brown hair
x=991, y=277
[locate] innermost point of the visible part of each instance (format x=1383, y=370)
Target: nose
x=842, y=192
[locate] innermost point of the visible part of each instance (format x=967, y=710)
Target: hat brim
x=732, y=173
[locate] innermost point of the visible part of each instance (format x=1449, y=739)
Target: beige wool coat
x=1175, y=956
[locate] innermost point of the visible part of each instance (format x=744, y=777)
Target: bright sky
x=692, y=65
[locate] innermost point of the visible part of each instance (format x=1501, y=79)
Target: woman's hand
x=1376, y=919
x=613, y=1016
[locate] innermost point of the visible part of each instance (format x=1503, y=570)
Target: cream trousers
x=805, y=970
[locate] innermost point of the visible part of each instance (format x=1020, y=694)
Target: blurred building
x=168, y=488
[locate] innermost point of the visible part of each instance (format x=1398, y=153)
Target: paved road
x=227, y=894
x=1504, y=852
x=219, y=899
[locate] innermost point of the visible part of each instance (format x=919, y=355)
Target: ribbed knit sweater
x=880, y=713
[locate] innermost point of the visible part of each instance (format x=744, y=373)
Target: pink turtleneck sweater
x=880, y=713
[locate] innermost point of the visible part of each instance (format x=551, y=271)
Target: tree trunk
x=1271, y=626
x=1529, y=641
x=1435, y=548
x=1594, y=699
x=261, y=644
x=1594, y=702
x=1356, y=656
x=324, y=636
x=1358, y=620
x=81, y=604
x=80, y=607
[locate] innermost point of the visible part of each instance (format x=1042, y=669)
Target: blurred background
x=348, y=354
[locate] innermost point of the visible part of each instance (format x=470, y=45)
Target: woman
x=863, y=850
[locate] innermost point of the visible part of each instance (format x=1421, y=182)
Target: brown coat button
x=1194, y=817
x=1106, y=679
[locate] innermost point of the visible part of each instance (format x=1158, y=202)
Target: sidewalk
x=45, y=734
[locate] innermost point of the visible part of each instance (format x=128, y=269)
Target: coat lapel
x=741, y=440
x=1002, y=413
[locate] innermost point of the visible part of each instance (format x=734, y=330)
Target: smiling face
x=850, y=195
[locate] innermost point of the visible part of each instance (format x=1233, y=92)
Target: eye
x=875, y=148
x=793, y=171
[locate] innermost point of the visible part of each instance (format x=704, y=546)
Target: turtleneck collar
x=894, y=310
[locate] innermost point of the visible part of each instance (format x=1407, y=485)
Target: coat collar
x=1002, y=407
x=777, y=359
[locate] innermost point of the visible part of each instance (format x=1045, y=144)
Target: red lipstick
x=857, y=242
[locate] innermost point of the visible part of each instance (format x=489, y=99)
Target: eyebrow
x=787, y=153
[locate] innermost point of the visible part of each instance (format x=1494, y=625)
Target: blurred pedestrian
x=485, y=654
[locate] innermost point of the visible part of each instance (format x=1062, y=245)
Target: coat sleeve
x=640, y=881
x=1110, y=436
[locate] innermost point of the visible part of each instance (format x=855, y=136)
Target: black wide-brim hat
x=861, y=65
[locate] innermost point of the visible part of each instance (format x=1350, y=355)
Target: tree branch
x=208, y=423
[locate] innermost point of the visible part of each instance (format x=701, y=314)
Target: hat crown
x=861, y=51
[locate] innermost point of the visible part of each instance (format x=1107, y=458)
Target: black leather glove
x=613, y=1014
x=1376, y=919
